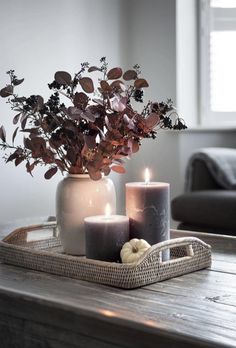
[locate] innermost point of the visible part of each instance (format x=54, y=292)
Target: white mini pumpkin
x=132, y=250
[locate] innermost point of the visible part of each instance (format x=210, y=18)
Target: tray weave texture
x=188, y=254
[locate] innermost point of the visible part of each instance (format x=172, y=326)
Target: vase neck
x=78, y=176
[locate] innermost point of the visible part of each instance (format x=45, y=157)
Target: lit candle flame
x=147, y=176
x=108, y=210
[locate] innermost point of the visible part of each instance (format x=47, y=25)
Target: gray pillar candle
x=105, y=236
x=147, y=206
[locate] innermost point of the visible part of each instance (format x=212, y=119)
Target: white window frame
x=209, y=118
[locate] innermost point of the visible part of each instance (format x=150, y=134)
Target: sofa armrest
x=202, y=178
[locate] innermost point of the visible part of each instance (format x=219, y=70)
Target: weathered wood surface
x=194, y=310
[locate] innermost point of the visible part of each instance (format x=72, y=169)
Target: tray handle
x=21, y=233
x=185, y=242
x=187, y=245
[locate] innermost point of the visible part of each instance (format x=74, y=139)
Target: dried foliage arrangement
x=95, y=132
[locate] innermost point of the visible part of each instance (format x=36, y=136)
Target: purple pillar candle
x=147, y=206
x=105, y=235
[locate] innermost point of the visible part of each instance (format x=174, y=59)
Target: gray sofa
x=209, y=201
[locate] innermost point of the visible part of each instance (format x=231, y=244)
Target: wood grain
x=195, y=310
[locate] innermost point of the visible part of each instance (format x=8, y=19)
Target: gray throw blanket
x=221, y=162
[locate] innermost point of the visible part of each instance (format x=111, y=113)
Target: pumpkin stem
x=134, y=249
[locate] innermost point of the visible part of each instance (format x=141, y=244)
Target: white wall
x=187, y=61
x=38, y=38
x=152, y=44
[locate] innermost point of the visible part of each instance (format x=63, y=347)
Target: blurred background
x=186, y=49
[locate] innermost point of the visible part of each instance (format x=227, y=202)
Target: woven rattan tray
x=39, y=248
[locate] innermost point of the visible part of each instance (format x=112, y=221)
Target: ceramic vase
x=78, y=197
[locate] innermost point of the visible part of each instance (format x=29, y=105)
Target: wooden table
x=195, y=310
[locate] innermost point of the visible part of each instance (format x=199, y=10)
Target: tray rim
x=174, y=242
x=147, y=270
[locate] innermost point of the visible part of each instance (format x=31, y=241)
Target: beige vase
x=78, y=197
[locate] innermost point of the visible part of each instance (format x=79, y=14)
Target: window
x=218, y=62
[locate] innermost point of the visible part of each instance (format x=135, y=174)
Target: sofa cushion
x=214, y=208
x=206, y=229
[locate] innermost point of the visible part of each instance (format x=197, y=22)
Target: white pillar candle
x=105, y=235
x=147, y=206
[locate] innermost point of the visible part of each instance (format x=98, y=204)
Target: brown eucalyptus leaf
x=40, y=101
x=114, y=73
x=106, y=147
x=84, y=150
x=27, y=144
x=140, y=83
x=34, y=130
x=18, y=161
x=74, y=112
x=118, y=84
x=23, y=116
x=16, y=118
x=38, y=142
x=87, y=84
x=29, y=167
x=32, y=135
x=106, y=170
x=71, y=155
x=80, y=100
x=106, y=161
x=60, y=164
x=62, y=77
x=23, y=122
x=3, y=134
x=6, y=91
x=135, y=146
x=18, y=99
x=47, y=157
x=125, y=151
x=90, y=141
x=94, y=174
x=17, y=82
x=118, y=169
x=98, y=160
x=76, y=170
x=52, y=171
x=117, y=156
x=119, y=161
x=96, y=110
x=130, y=75
x=115, y=142
x=105, y=86
x=152, y=120
x=93, y=68
x=87, y=115
x=13, y=156
x=14, y=134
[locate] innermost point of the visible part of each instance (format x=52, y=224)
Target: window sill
x=206, y=129
x=200, y=130
x=212, y=129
